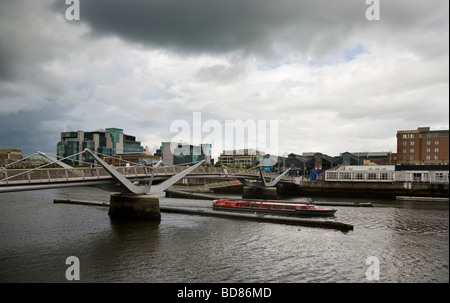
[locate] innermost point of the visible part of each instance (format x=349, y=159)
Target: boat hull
x=291, y=210
x=299, y=213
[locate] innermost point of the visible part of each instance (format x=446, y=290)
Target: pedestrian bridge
x=135, y=179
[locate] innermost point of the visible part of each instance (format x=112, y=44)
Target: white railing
x=49, y=175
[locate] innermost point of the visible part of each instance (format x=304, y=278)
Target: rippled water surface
x=410, y=240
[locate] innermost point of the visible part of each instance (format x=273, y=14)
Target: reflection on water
x=36, y=236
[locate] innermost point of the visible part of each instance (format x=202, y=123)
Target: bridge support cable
x=142, y=189
x=36, y=168
x=174, y=179
x=277, y=179
x=54, y=160
x=23, y=159
x=263, y=183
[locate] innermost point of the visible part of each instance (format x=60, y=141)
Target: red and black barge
x=285, y=208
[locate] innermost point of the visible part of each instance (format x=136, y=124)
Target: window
x=411, y=143
x=428, y=150
x=404, y=143
x=404, y=150
x=372, y=176
x=411, y=150
x=411, y=158
x=346, y=176
x=428, y=142
x=441, y=176
x=332, y=175
x=428, y=157
x=436, y=142
x=417, y=177
x=436, y=150
x=436, y=157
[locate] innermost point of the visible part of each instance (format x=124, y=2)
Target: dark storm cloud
x=249, y=26
x=31, y=131
x=213, y=26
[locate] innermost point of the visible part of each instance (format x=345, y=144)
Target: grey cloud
x=31, y=35
x=33, y=130
x=257, y=27
x=220, y=73
x=246, y=26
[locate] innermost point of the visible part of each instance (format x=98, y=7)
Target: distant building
x=422, y=146
x=8, y=156
x=12, y=158
x=373, y=158
x=301, y=165
x=173, y=153
x=144, y=158
x=240, y=157
x=107, y=142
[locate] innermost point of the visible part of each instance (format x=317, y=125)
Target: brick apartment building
x=422, y=146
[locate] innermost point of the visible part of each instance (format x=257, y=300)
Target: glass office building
x=111, y=141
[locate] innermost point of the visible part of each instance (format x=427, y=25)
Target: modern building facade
x=422, y=146
x=173, y=153
x=110, y=141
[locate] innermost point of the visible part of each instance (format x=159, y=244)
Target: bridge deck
x=14, y=177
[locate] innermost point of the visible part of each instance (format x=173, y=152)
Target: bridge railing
x=12, y=176
x=21, y=176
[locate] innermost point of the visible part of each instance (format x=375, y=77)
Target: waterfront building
x=301, y=165
x=9, y=155
x=173, y=153
x=388, y=173
x=373, y=158
x=361, y=173
x=240, y=157
x=422, y=146
x=110, y=141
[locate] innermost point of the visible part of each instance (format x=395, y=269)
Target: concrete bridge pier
x=269, y=192
x=134, y=207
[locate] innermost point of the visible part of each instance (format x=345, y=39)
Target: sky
x=321, y=76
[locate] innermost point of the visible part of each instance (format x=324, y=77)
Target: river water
x=394, y=241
